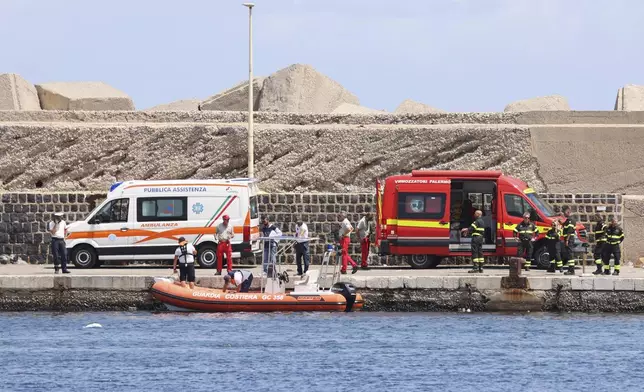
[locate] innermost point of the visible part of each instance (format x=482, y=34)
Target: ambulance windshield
x=541, y=204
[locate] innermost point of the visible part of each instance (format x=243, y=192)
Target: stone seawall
x=24, y=216
x=382, y=293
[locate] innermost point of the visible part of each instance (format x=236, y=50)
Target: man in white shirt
x=301, y=247
x=241, y=279
x=269, y=255
x=185, y=255
x=58, y=248
x=225, y=233
x=345, y=240
x=364, y=233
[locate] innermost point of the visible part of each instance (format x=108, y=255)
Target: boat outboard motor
x=348, y=291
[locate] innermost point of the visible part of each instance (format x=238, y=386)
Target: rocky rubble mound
x=550, y=102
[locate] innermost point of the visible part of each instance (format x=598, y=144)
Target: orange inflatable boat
x=341, y=298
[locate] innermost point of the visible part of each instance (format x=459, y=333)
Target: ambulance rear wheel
x=423, y=261
x=84, y=256
x=207, y=256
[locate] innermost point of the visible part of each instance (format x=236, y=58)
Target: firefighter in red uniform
x=225, y=233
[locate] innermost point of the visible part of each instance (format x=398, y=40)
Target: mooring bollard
x=514, y=280
x=516, y=265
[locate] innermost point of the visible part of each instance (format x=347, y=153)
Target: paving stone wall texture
x=24, y=216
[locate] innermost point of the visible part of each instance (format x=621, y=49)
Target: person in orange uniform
x=225, y=233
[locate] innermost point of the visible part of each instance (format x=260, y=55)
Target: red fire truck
x=420, y=215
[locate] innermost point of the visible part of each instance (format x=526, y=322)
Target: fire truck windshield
x=541, y=204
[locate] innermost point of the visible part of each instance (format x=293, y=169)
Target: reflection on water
x=320, y=352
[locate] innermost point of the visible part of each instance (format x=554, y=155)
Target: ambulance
x=143, y=220
x=420, y=216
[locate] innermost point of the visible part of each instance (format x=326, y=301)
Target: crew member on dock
x=614, y=237
x=345, y=239
x=364, y=233
x=600, y=243
x=241, y=279
x=527, y=233
x=477, y=232
x=225, y=233
x=569, y=241
x=185, y=256
x=58, y=248
x=270, y=246
x=553, y=244
x=302, y=246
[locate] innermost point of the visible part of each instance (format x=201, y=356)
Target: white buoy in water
x=93, y=325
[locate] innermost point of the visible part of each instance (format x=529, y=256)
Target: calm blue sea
x=141, y=351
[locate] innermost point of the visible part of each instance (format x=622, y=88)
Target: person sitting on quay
x=241, y=279
x=185, y=256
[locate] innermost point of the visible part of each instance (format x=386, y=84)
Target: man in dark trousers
x=477, y=232
x=58, y=248
x=600, y=243
x=569, y=233
x=301, y=246
x=614, y=237
x=527, y=233
x=553, y=244
x=241, y=279
x=270, y=246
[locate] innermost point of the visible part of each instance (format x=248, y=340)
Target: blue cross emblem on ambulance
x=197, y=208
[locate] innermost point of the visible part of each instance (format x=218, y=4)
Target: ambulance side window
x=158, y=209
x=421, y=205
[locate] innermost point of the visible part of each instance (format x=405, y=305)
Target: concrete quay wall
x=381, y=293
x=24, y=216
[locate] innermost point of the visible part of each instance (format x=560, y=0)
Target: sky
x=456, y=55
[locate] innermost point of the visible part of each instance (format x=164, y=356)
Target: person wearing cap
x=58, y=248
x=225, y=233
x=185, y=256
x=527, y=232
x=241, y=279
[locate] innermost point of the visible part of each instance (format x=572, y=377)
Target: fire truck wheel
x=423, y=261
x=541, y=257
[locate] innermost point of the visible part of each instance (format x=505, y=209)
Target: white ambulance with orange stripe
x=143, y=220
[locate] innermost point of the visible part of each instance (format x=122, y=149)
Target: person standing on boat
x=270, y=246
x=225, y=233
x=364, y=233
x=185, y=256
x=241, y=279
x=301, y=246
x=345, y=232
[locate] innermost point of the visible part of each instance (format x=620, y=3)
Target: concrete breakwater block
x=550, y=102
x=181, y=105
x=82, y=96
x=630, y=97
x=17, y=94
x=349, y=108
x=300, y=88
x=411, y=106
x=235, y=98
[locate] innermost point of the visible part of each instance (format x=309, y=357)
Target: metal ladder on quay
x=328, y=269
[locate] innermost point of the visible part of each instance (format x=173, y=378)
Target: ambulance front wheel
x=84, y=256
x=423, y=261
x=207, y=256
